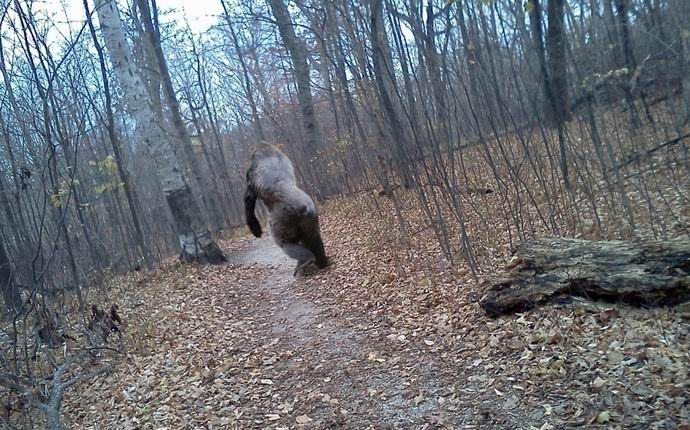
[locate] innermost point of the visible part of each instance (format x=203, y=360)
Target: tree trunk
x=130, y=193
x=556, y=54
x=300, y=67
x=195, y=240
x=627, y=57
x=325, y=72
x=552, y=59
x=249, y=92
x=554, y=71
x=384, y=75
x=684, y=35
x=535, y=22
x=212, y=173
x=545, y=270
x=8, y=287
x=399, y=40
x=395, y=129
x=434, y=71
x=209, y=193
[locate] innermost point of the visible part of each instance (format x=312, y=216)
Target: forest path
x=245, y=345
x=336, y=367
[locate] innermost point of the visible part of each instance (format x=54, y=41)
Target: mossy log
x=649, y=273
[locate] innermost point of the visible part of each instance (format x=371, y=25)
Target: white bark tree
x=209, y=193
x=196, y=241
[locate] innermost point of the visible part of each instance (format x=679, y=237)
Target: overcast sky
x=201, y=14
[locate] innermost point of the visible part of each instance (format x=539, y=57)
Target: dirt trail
x=349, y=382
x=245, y=345
x=293, y=317
x=242, y=346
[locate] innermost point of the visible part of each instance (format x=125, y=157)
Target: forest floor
x=375, y=341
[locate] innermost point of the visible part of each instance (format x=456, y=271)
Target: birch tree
x=196, y=241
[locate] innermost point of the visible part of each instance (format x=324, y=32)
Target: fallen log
x=650, y=273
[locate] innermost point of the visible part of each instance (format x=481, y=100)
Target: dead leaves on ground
x=202, y=355
x=186, y=351
x=563, y=365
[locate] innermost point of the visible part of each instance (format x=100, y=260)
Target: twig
x=52, y=406
x=649, y=152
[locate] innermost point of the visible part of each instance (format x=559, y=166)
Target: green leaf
x=603, y=417
x=109, y=164
x=529, y=6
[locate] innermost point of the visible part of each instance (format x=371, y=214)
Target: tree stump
x=649, y=273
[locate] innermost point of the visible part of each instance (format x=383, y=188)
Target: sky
x=69, y=14
x=201, y=14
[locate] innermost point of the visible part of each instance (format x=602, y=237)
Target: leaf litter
x=377, y=340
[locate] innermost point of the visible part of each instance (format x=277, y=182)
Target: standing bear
x=292, y=217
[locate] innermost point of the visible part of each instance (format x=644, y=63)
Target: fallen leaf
x=302, y=419
x=374, y=357
x=603, y=417
x=598, y=382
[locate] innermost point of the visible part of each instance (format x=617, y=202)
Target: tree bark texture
x=298, y=55
x=10, y=292
x=645, y=274
x=209, y=192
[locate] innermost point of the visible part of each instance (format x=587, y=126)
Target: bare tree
x=196, y=242
x=209, y=192
x=249, y=91
x=8, y=287
x=684, y=36
x=300, y=69
x=558, y=77
x=114, y=139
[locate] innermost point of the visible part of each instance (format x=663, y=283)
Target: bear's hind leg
x=297, y=252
